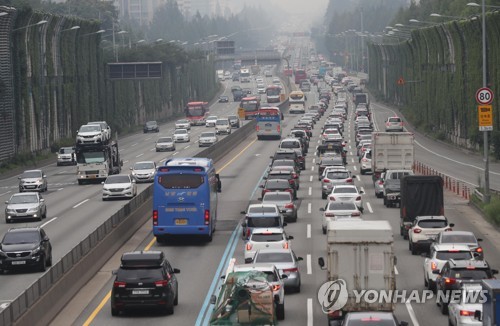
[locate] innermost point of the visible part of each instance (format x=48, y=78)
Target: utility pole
x=362, y=43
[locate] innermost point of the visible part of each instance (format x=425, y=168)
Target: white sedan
x=183, y=124
x=334, y=211
x=210, y=121
x=119, y=186
x=181, y=135
x=347, y=193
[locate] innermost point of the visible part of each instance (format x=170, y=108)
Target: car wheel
x=210, y=237
x=157, y=150
x=444, y=308
x=114, y=312
x=413, y=249
x=43, y=265
x=49, y=260
x=324, y=229
x=323, y=195
x=176, y=300
x=449, y=322
x=169, y=308
x=39, y=218
x=280, y=311
x=363, y=172
x=44, y=216
x=7, y=221
x=426, y=283
x=80, y=182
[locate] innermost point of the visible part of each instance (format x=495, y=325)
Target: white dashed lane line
x=81, y=203
x=308, y=231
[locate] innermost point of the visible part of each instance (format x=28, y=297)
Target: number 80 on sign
x=484, y=95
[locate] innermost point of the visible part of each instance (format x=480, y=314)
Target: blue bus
x=268, y=123
x=185, y=198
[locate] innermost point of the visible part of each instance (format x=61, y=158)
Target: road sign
x=401, y=81
x=485, y=117
x=484, y=95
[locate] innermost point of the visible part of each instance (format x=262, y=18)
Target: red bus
x=248, y=107
x=196, y=112
x=299, y=75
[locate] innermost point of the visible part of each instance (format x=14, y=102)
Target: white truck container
x=392, y=151
x=220, y=75
x=361, y=253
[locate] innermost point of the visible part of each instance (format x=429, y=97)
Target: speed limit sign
x=484, y=95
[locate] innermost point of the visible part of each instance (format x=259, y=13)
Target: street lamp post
x=445, y=16
x=416, y=21
x=41, y=22
x=485, y=138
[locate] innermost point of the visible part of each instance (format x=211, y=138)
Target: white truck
x=391, y=151
x=360, y=256
x=220, y=75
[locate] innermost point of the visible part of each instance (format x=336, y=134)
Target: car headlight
x=33, y=209
x=128, y=187
x=36, y=251
x=134, y=173
x=10, y=210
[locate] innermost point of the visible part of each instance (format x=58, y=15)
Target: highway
x=201, y=264
x=74, y=211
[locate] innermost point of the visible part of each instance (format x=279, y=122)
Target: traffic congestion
x=328, y=173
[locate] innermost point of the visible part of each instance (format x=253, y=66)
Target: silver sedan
x=144, y=171
x=25, y=205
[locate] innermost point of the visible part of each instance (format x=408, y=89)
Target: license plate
x=181, y=221
x=30, y=187
x=268, y=129
x=140, y=291
x=92, y=177
x=19, y=262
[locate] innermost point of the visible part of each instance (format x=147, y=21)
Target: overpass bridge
x=262, y=57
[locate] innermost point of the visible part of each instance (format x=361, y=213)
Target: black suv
x=287, y=154
x=145, y=278
x=456, y=272
x=25, y=248
x=151, y=126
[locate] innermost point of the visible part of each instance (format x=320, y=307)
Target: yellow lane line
x=238, y=155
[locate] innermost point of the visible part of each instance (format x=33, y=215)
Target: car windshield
x=274, y=257
x=151, y=123
x=144, y=166
x=117, y=179
x=470, y=274
x=222, y=122
x=212, y=117
x=207, y=134
x=90, y=128
x=183, y=121
x=23, y=199
x=345, y=190
x=290, y=144
x=338, y=175
x=277, y=197
x=263, y=222
x=139, y=274
x=31, y=174
x=340, y=206
x=261, y=209
x=458, y=238
x=432, y=224
x=267, y=237
x=65, y=150
x=457, y=255
x=180, y=132
x=165, y=140
x=21, y=237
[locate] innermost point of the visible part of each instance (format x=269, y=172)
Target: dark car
x=151, y=126
x=328, y=161
x=456, y=272
x=223, y=99
x=25, y=248
x=304, y=126
x=302, y=135
x=286, y=154
x=145, y=278
x=372, y=318
x=278, y=185
x=234, y=121
x=392, y=190
x=238, y=95
x=290, y=175
x=261, y=216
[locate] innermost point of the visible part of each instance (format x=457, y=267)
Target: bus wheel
x=210, y=237
x=161, y=239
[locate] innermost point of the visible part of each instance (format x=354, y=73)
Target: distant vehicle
x=119, y=186
x=151, y=126
x=424, y=230
x=285, y=261
x=269, y=123
x=276, y=81
x=66, y=156
x=234, y=121
x=220, y=75
x=338, y=210
x=194, y=180
x=145, y=278
x=461, y=237
x=284, y=201
x=165, y=144
x=273, y=93
x=91, y=134
x=263, y=238
x=299, y=74
x=33, y=180
x=26, y=248
x=144, y=171
x=394, y=124
x=248, y=108
x=268, y=73
x=222, y=125
x=211, y=120
x=183, y=124
x=196, y=112
x=244, y=75
x=106, y=129
x=265, y=215
x=26, y=205
x=207, y=138
x=223, y=99
x=181, y=135
x=297, y=102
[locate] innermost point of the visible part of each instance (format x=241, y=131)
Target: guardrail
x=44, y=298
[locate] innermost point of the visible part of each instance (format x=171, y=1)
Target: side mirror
x=478, y=315
x=424, y=254
x=244, y=224
x=177, y=271
x=133, y=181
x=243, y=212
x=290, y=237
x=479, y=240
x=42, y=200
x=285, y=224
x=114, y=272
x=130, y=168
x=451, y=225
x=476, y=255
x=261, y=186
x=283, y=276
x=361, y=192
x=19, y=178
x=353, y=176
x=403, y=323
x=322, y=209
x=44, y=176
x=213, y=299
x=436, y=271
x=317, y=163
x=46, y=239
x=494, y=271
x=300, y=259
x=321, y=262
x=248, y=260
x=7, y=202
x=102, y=182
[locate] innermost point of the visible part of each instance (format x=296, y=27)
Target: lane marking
x=312, y=168
x=413, y=317
x=314, y=160
x=354, y=168
x=49, y=221
x=125, y=162
x=187, y=146
x=163, y=160
x=310, y=191
x=175, y=153
x=309, y=208
x=309, y=312
x=139, y=155
x=309, y=266
x=81, y=203
x=310, y=178
x=59, y=189
x=62, y=172
x=133, y=144
x=308, y=232
x=237, y=155
x=369, y=207
x=396, y=270
x=5, y=193
x=357, y=177
x=152, y=149
x=149, y=138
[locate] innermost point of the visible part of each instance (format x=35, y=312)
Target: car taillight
x=206, y=217
x=448, y=229
x=278, y=128
x=355, y=214
x=249, y=246
x=291, y=182
x=479, y=249
x=466, y=313
x=285, y=245
x=248, y=233
x=289, y=190
x=449, y=280
x=329, y=214
x=349, y=180
x=161, y=283
x=295, y=175
x=415, y=230
x=358, y=198
x=155, y=217
x=276, y=287
x=433, y=265
x=326, y=181
x=117, y=284
x=364, y=160
x=331, y=198
x=289, y=205
x=257, y=128
x=290, y=270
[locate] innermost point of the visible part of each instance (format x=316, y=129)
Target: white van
x=222, y=126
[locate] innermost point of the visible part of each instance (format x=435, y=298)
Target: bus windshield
x=90, y=157
x=195, y=111
x=251, y=105
x=181, y=181
x=273, y=91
